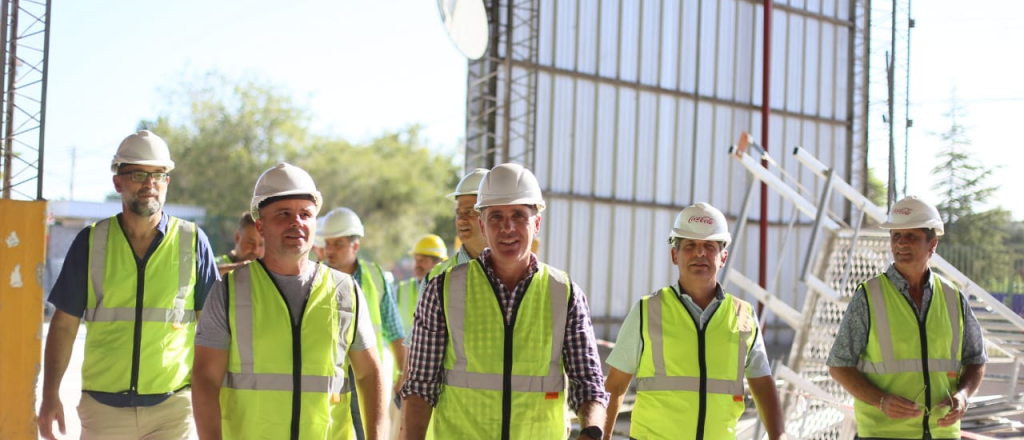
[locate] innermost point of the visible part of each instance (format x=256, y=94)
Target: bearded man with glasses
x=139, y=279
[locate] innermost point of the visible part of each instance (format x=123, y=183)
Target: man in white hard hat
x=342, y=233
x=909, y=348
x=138, y=279
x=248, y=246
x=274, y=345
x=467, y=226
x=691, y=344
x=495, y=338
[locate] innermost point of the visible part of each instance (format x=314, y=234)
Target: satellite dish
x=466, y=23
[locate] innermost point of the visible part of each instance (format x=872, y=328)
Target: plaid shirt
x=430, y=334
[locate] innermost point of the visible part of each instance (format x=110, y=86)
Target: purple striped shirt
x=430, y=334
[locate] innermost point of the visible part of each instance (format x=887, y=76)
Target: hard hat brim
x=723, y=237
x=254, y=206
x=455, y=195
x=528, y=201
x=927, y=224
x=169, y=164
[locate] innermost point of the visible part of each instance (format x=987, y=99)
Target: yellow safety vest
x=408, y=294
x=690, y=380
x=503, y=380
x=368, y=280
x=151, y=307
x=287, y=380
x=895, y=360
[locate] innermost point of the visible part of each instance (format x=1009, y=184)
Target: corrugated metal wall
x=636, y=104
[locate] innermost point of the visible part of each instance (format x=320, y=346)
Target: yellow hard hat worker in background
x=428, y=252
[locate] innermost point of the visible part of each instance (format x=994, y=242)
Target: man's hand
x=896, y=407
x=957, y=404
x=49, y=410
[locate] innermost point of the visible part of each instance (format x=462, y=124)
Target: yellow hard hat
x=431, y=246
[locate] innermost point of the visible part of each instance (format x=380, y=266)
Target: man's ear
x=117, y=183
x=675, y=258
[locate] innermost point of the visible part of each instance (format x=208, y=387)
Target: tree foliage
x=974, y=240
x=224, y=133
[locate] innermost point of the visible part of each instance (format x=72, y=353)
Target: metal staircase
x=838, y=257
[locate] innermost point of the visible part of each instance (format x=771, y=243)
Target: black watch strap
x=594, y=432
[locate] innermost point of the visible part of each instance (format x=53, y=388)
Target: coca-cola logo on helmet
x=701, y=219
x=903, y=211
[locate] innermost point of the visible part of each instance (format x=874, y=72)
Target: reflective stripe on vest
x=661, y=382
x=459, y=377
x=889, y=363
x=246, y=379
x=97, y=266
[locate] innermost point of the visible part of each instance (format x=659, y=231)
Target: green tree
x=223, y=133
x=395, y=184
x=877, y=191
x=974, y=239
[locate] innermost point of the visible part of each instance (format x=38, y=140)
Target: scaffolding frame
x=25, y=37
x=502, y=99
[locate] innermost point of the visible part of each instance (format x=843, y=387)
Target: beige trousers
x=171, y=419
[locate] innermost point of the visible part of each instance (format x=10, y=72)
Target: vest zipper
x=140, y=296
x=702, y=361
x=927, y=374
x=924, y=362
x=296, y=353
x=506, y=380
x=702, y=412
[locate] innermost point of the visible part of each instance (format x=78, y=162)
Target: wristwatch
x=595, y=432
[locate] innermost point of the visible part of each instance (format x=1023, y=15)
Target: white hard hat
x=509, y=184
x=341, y=222
x=143, y=148
x=912, y=212
x=469, y=185
x=283, y=179
x=318, y=240
x=701, y=222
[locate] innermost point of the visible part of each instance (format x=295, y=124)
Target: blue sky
x=366, y=67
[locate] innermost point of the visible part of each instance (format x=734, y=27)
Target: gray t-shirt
x=213, y=330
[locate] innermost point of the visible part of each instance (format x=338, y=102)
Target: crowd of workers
x=272, y=342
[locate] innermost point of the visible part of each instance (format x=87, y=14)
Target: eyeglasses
x=938, y=411
x=467, y=213
x=142, y=176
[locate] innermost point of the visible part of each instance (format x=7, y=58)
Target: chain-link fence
x=1000, y=271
